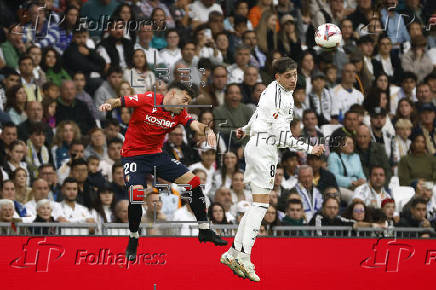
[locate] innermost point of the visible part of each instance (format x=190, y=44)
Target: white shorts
x=260, y=164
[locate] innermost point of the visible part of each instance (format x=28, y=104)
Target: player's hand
x=240, y=133
x=318, y=150
x=105, y=107
x=211, y=139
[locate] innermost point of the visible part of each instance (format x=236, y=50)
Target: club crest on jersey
x=154, y=110
x=159, y=122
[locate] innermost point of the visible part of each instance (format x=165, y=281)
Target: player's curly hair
x=183, y=87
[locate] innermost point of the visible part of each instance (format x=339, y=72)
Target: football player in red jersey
x=142, y=153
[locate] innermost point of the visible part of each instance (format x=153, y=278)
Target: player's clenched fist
x=110, y=105
x=240, y=133
x=211, y=139
x=105, y=107
x=318, y=150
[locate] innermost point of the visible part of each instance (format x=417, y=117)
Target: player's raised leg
x=198, y=206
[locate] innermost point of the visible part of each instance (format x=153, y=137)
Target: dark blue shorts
x=136, y=168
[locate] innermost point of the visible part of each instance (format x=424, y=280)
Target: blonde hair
x=59, y=135
x=262, y=31
x=403, y=123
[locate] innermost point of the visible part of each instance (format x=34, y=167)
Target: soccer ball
x=328, y=35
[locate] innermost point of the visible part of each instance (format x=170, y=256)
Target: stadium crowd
x=372, y=101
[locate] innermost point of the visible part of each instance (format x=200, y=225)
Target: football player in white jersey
x=269, y=129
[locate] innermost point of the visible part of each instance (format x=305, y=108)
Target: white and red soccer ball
x=328, y=35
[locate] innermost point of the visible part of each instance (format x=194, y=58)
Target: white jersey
x=269, y=129
x=270, y=124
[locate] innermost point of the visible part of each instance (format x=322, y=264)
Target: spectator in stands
x=207, y=164
x=271, y=218
x=31, y=85
x=7, y=214
x=118, y=184
x=48, y=173
x=78, y=57
x=406, y=110
x=233, y=111
x=417, y=217
x=13, y=47
x=177, y=148
x=267, y=31
x=93, y=9
x=40, y=191
x=216, y=214
x=73, y=211
x=311, y=130
x=44, y=215
x=138, y=75
x=401, y=142
x=11, y=78
x=424, y=191
x=69, y=108
x=417, y=59
x=205, y=46
x=113, y=151
x=16, y=104
x=372, y=193
x=357, y=211
x=116, y=50
x=236, y=70
x=388, y=207
x=172, y=52
x=320, y=98
x=95, y=178
x=322, y=177
x=16, y=152
x=290, y=43
x=389, y=62
x=294, y=215
x=200, y=9
x=417, y=163
x=8, y=192
x=289, y=162
x=347, y=168
x=224, y=197
x=380, y=133
x=108, y=88
x=238, y=190
x=86, y=194
x=423, y=94
x=214, y=93
x=51, y=64
x=344, y=95
x=407, y=90
x=371, y=153
x=22, y=191
x=66, y=133
x=97, y=145
x=7, y=136
x=427, y=125
x=311, y=197
x=37, y=153
x=34, y=112
x=224, y=177
x=82, y=95
x=105, y=205
x=251, y=77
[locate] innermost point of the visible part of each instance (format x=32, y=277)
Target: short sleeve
x=137, y=100
x=184, y=118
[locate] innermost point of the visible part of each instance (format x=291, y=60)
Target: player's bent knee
x=136, y=194
x=195, y=182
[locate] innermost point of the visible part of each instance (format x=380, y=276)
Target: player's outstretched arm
x=204, y=130
x=110, y=104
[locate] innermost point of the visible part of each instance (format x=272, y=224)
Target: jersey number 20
x=129, y=167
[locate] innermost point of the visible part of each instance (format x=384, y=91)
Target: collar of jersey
x=281, y=87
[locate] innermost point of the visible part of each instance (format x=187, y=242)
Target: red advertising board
x=168, y=263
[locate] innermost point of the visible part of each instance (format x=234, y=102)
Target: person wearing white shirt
x=184, y=214
x=236, y=70
x=372, y=193
x=138, y=76
x=40, y=190
x=72, y=211
x=200, y=9
x=207, y=164
x=172, y=53
x=345, y=95
x=143, y=41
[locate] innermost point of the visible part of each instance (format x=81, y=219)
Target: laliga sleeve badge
x=275, y=115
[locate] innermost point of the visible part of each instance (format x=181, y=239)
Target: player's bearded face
x=288, y=79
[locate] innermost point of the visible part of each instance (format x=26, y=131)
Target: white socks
x=204, y=225
x=248, y=230
x=134, y=235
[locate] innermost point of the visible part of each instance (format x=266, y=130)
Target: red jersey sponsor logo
x=159, y=122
